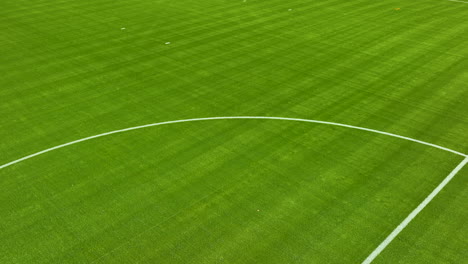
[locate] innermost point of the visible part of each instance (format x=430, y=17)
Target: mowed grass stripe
x=71, y=72
x=132, y=41
x=234, y=163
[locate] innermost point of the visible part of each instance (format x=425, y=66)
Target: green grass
x=232, y=191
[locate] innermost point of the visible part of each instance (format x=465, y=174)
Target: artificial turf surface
x=232, y=191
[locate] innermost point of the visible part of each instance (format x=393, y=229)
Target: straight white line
x=458, y=1
x=227, y=117
x=414, y=213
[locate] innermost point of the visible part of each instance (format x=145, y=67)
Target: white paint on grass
x=458, y=1
x=167, y=43
x=414, y=213
x=380, y=248
x=226, y=118
x=123, y=28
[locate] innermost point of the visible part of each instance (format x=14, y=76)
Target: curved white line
x=227, y=117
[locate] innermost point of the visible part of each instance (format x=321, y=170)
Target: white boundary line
x=381, y=247
x=225, y=118
x=414, y=213
x=458, y=1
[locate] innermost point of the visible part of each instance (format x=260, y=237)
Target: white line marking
x=225, y=118
x=458, y=1
x=414, y=213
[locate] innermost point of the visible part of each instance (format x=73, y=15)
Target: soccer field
x=240, y=131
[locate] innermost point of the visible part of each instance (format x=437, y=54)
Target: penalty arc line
x=227, y=118
x=380, y=248
x=414, y=213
